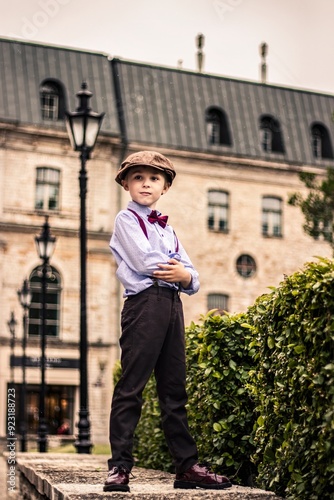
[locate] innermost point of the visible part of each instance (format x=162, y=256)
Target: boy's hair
x=147, y=159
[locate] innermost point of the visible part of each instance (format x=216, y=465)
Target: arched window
x=218, y=301
x=217, y=128
x=52, y=100
x=53, y=292
x=321, y=141
x=271, y=135
x=271, y=216
x=266, y=138
x=218, y=207
x=316, y=142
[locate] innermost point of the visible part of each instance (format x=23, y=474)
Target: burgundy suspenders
x=143, y=227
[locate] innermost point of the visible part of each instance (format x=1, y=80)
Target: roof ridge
x=156, y=66
x=52, y=45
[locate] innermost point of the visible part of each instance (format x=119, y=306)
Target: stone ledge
x=69, y=476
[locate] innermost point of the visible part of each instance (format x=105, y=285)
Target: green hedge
x=294, y=384
x=220, y=409
x=261, y=390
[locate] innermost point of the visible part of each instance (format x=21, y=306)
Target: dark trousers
x=152, y=340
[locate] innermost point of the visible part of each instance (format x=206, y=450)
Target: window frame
x=44, y=186
x=54, y=306
x=246, y=261
x=52, y=100
x=270, y=213
x=316, y=143
x=217, y=127
x=321, y=142
x=266, y=139
x=214, y=222
x=271, y=137
x=213, y=300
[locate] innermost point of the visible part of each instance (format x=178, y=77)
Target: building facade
x=238, y=148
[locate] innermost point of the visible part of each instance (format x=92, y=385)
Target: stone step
x=57, y=476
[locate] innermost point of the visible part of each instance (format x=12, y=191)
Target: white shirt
x=137, y=256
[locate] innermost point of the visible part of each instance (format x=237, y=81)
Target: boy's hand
x=173, y=272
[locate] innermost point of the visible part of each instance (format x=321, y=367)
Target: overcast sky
x=299, y=34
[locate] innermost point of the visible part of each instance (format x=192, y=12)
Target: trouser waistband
x=163, y=291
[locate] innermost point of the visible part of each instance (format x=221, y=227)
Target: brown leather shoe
x=118, y=479
x=199, y=476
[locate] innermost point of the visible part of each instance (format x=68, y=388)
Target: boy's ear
x=166, y=187
x=125, y=185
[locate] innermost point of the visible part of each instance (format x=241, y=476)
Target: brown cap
x=148, y=159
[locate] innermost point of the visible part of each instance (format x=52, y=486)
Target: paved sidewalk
x=73, y=477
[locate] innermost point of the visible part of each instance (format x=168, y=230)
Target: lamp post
x=11, y=326
x=45, y=244
x=25, y=300
x=83, y=126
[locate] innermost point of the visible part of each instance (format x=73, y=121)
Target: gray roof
x=24, y=66
x=162, y=106
x=167, y=107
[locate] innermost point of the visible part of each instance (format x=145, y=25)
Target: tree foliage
x=317, y=206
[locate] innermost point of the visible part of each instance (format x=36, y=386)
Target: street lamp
x=45, y=244
x=11, y=326
x=24, y=296
x=83, y=126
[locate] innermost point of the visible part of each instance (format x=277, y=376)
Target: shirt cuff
x=193, y=286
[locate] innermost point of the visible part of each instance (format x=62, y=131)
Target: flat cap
x=148, y=159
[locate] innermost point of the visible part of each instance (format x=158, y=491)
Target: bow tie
x=160, y=219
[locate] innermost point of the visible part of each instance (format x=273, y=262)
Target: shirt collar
x=140, y=209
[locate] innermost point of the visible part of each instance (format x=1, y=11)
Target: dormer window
x=266, y=138
x=271, y=135
x=217, y=128
x=213, y=130
x=316, y=142
x=321, y=142
x=52, y=100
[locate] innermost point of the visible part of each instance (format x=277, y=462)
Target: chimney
x=263, y=53
x=200, y=55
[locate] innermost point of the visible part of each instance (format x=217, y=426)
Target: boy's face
x=145, y=185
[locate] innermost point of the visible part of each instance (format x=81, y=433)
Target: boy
x=153, y=268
